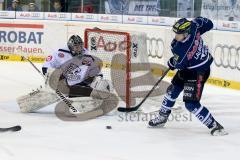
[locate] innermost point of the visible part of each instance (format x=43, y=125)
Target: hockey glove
x=44, y=70
x=171, y=63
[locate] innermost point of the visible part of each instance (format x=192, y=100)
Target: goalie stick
x=11, y=129
x=59, y=93
x=123, y=109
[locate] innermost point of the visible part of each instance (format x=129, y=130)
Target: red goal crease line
x=33, y=26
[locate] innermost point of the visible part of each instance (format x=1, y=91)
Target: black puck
x=109, y=127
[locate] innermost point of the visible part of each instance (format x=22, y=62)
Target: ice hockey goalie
x=77, y=75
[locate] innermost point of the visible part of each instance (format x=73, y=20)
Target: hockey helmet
x=182, y=26
x=75, y=44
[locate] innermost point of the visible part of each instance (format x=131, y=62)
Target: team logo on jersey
x=49, y=58
x=86, y=61
x=61, y=55
x=195, y=47
x=71, y=72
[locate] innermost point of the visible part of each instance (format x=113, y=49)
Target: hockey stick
x=123, y=109
x=12, y=129
x=34, y=66
x=59, y=93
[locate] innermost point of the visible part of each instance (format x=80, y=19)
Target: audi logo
x=227, y=56
x=155, y=47
x=62, y=15
x=89, y=17
x=35, y=14
x=4, y=14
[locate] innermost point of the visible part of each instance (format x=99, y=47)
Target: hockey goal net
x=117, y=51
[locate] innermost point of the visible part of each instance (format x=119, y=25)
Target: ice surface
x=45, y=137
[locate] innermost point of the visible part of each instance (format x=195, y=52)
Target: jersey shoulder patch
x=49, y=58
x=61, y=55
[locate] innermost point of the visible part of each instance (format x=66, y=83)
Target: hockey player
x=74, y=48
x=75, y=73
x=75, y=62
x=192, y=60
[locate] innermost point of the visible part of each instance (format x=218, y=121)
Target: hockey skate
x=159, y=121
x=218, y=130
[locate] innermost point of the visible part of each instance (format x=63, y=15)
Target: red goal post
x=104, y=44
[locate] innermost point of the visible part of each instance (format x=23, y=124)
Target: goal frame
x=128, y=60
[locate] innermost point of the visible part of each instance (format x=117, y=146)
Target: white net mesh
x=125, y=61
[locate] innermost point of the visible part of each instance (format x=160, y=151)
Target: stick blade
x=16, y=128
x=123, y=109
x=11, y=129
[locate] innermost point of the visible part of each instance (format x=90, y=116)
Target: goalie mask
x=75, y=45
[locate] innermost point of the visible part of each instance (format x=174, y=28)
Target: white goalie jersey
x=60, y=57
x=76, y=69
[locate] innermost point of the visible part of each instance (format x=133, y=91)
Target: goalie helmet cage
x=112, y=38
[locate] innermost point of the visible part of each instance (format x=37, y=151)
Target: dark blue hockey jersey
x=192, y=54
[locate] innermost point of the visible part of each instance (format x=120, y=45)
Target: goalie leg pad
x=110, y=100
x=88, y=108
x=102, y=90
x=100, y=104
x=36, y=100
x=101, y=84
x=53, y=81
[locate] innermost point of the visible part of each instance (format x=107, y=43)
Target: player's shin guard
x=165, y=110
x=170, y=99
x=203, y=114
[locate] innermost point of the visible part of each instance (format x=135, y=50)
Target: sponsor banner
x=227, y=10
x=21, y=38
x=57, y=16
x=219, y=82
x=224, y=83
x=84, y=17
x=166, y=21
x=135, y=19
x=7, y=14
x=136, y=7
x=185, y=8
x=225, y=49
x=151, y=20
x=228, y=25
x=42, y=38
x=30, y=15
x=227, y=56
x=19, y=58
x=155, y=71
x=215, y=24
x=110, y=18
